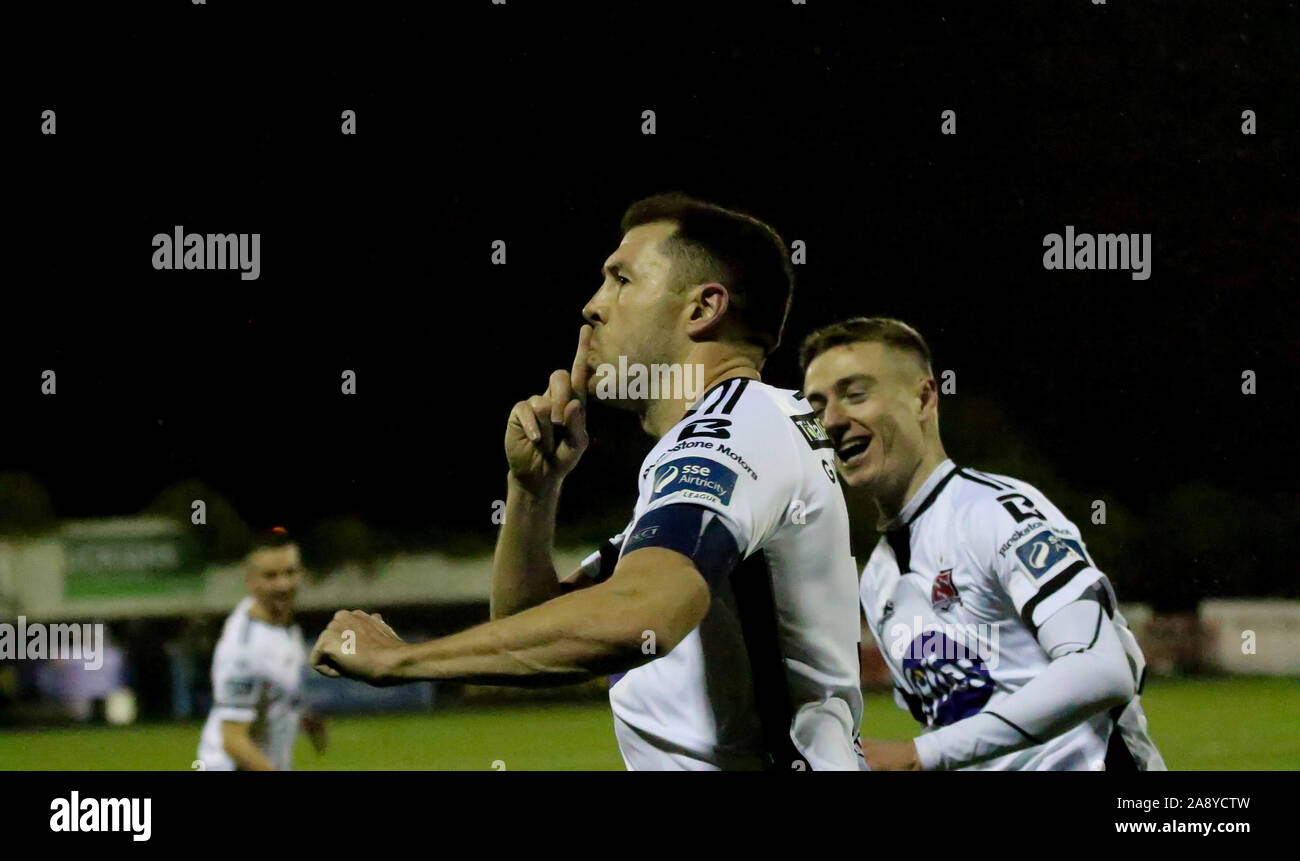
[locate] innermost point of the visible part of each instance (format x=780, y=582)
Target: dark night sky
x=507, y=123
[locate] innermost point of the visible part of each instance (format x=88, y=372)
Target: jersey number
x=1019, y=507
x=706, y=427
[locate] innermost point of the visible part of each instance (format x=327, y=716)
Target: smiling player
x=1004, y=640
x=257, y=669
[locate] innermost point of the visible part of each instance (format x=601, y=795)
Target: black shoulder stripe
x=744, y=381
x=987, y=477
x=1048, y=589
x=934, y=494
x=720, y=390
x=986, y=482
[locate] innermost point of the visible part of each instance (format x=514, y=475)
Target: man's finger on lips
x=581, y=372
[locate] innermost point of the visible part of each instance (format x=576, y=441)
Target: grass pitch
x=1199, y=724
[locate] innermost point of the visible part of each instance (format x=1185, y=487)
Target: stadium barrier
x=1252, y=637
x=33, y=583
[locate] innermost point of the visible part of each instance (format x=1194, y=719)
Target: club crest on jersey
x=943, y=594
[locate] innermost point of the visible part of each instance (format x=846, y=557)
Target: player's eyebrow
x=844, y=382
x=615, y=268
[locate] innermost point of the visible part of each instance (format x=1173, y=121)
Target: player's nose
x=835, y=420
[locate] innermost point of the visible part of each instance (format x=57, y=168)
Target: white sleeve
x=598, y=566
x=1088, y=673
x=743, y=468
x=1033, y=551
x=237, y=685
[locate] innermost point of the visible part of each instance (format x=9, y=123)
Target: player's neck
x=662, y=414
x=260, y=612
x=892, y=502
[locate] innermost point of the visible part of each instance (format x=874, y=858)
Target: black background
x=523, y=123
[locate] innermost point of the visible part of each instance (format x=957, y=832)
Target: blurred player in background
x=257, y=669
x=727, y=610
x=1004, y=640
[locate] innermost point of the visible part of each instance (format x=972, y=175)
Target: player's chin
x=854, y=478
x=860, y=473
x=850, y=470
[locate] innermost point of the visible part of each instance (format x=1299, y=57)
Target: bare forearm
x=569, y=639
x=523, y=573
x=592, y=632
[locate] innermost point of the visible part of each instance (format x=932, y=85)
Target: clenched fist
x=357, y=645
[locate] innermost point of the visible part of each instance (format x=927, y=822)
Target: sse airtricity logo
x=663, y=480
x=1044, y=551
x=694, y=478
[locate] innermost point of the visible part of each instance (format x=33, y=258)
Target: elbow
x=664, y=623
x=684, y=615
x=1117, y=687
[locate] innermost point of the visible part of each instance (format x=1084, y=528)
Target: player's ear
x=928, y=392
x=706, y=310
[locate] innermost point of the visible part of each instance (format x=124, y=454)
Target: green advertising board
x=129, y=558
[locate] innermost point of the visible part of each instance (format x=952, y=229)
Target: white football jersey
x=256, y=677
x=770, y=677
x=954, y=593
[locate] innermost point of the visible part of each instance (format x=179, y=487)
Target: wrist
x=397, y=663
x=544, y=493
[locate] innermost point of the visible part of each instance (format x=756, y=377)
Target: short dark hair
x=740, y=252
x=881, y=330
x=276, y=536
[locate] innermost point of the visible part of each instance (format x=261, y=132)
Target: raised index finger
x=580, y=373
